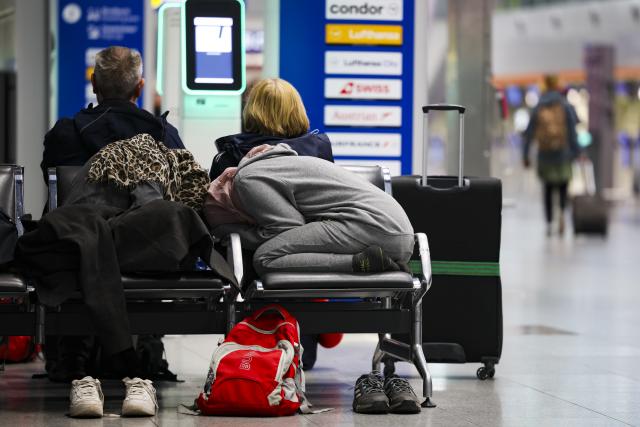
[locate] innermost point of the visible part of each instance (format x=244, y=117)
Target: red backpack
x=256, y=370
x=16, y=348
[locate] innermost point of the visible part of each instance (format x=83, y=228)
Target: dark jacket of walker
x=73, y=141
x=232, y=148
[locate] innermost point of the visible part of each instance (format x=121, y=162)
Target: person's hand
x=257, y=150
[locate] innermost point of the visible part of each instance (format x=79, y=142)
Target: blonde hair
x=274, y=107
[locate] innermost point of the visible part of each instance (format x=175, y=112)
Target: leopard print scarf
x=141, y=159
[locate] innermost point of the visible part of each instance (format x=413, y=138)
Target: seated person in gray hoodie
x=314, y=216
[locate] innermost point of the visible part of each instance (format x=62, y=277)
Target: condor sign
x=363, y=88
x=370, y=10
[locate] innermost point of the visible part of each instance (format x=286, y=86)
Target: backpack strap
x=272, y=308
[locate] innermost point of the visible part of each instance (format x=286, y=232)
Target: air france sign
x=369, y=10
x=363, y=62
x=363, y=88
x=366, y=144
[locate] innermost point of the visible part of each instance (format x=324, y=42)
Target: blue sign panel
x=352, y=62
x=84, y=28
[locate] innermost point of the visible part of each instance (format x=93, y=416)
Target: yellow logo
x=389, y=35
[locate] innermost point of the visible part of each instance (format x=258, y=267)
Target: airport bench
x=159, y=303
x=383, y=303
x=18, y=313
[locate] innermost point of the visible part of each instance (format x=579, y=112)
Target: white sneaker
x=86, y=398
x=140, y=400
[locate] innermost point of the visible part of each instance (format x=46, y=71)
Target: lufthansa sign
x=370, y=10
x=382, y=35
x=363, y=88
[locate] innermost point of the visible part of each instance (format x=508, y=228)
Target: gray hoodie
x=281, y=190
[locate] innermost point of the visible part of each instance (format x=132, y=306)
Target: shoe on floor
x=86, y=398
x=402, y=398
x=140, y=400
x=369, y=396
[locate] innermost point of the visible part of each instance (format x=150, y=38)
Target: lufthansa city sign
x=357, y=62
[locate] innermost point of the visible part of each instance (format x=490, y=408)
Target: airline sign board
x=352, y=62
x=362, y=115
x=360, y=34
x=363, y=62
x=362, y=88
x=366, y=144
x=370, y=10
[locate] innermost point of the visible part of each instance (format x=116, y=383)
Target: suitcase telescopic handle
x=425, y=134
x=444, y=107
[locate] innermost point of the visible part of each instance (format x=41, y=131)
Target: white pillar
x=32, y=96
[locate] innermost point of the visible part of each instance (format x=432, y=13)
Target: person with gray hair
x=117, y=74
x=117, y=82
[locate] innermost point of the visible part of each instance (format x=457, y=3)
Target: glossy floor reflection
x=571, y=349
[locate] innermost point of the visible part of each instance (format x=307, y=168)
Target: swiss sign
x=363, y=88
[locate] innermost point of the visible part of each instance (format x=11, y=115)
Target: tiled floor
x=571, y=349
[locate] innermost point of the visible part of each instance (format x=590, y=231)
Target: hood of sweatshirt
x=279, y=150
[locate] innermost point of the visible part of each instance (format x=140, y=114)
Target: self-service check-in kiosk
x=201, y=70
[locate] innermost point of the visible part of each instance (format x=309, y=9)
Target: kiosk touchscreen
x=213, y=46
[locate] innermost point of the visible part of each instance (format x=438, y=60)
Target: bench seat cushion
x=12, y=283
x=184, y=280
x=292, y=281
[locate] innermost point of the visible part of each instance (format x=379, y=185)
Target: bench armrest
x=425, y=259
x=53, y=188
x=234, y=256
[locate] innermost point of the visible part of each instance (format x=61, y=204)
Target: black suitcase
x=589, y=210
x=461, y=216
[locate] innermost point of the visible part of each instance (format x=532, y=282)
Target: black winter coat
x=73, y=141
x=86, y=247
x=232, y=148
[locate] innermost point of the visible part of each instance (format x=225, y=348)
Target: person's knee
x=263, y=257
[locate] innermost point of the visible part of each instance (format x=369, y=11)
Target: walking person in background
x=553, y=128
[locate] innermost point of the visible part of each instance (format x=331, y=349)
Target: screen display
x=214, y=57
x=214, y=49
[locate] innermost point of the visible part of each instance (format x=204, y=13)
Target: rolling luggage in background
x=461, y=216
x=588, y=210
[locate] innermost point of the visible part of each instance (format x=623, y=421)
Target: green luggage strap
x=458, y=268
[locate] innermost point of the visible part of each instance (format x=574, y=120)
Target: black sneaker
x=402, y=398
x=369, y=396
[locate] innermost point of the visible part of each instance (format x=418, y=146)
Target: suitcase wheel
x=484, y=372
